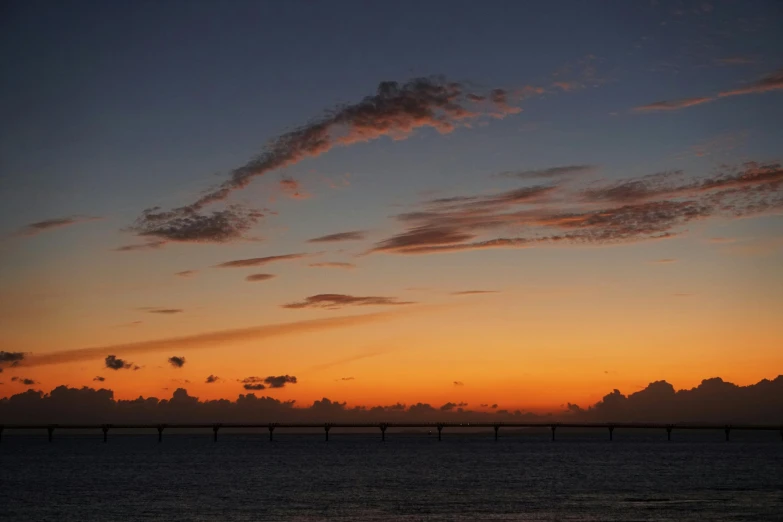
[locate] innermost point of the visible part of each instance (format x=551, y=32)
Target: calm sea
x=244, y=477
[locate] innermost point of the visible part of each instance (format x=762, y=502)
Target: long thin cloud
x=208, y=339
x=258, y=261
x=50, y=224
x=771, y=82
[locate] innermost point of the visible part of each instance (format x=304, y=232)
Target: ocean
x=356, y=477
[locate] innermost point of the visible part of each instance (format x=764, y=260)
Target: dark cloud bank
x=714, y=400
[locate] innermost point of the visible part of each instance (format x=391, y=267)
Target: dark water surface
x=300, y=477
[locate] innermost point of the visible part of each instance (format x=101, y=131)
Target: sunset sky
x=555, y=199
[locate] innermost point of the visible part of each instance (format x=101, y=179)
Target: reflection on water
x=409, y=477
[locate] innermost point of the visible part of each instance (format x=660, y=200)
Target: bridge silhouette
x=383, y=426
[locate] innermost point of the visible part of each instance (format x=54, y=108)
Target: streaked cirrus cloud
x=395, y=110
x=50, y=224
x=258, y=261
x=340, y=236
x=770, y=82
x=657, y=206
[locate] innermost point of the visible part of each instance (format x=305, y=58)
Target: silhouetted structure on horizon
x=383, y=426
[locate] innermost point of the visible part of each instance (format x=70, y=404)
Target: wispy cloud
x=333, y=264
x=335, y=301
x=340, y=236
x=166, y=311
x=673, y=105
x=474, y=292
x=50, y=224
x=208, y=339
x=665, y=261
x=258, y=261
x=770, y=82
x=255, y=278
x=186, y=273
x=637, y=209
x=212, y=379
x=149, y=245
x=565, y=171
x=293, y=189
x=396, y=110
x=735, y=60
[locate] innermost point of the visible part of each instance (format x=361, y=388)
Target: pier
x=383, y=426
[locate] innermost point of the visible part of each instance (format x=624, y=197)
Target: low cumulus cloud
x=354, y=235
x=333, y=264
x=273, y=381
x=253, y=383
x=212, y=379
x=98, y=378
x=657, y=206
x=11, y=358
x=112, y=362
x=335, y=301
x=24, y=380
x=453, y=405
x=50, y=224
x=396, y=110
x=279, y=381
x=177, y=361
x=255, y=278
x=258, y=261
x=713, y=401
x=770, y=82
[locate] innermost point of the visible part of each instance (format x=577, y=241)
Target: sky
x=526, y=204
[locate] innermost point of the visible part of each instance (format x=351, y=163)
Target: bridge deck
x=384, y=425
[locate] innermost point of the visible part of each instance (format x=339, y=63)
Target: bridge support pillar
x=383, y=432
x=50, y=429
x=2, y=427
x=105, y=433
x=160, y=433
x=669, y=432
x=727, y=430
x=553, y=432
x=271, y=430
x=497, y=428
x=326, y=432
x=215, y=429
x=440, y=429
x=611, y=431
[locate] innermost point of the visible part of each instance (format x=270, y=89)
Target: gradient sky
x=616, y=164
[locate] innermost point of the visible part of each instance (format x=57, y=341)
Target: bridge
x=383, y=426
